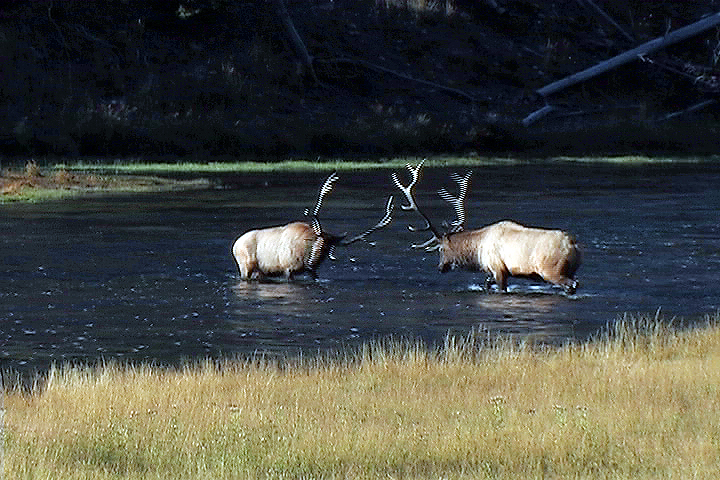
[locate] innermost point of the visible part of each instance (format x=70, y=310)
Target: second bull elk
x=504, y=249
x=296, y=247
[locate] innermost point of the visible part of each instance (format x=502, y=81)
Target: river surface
x=150, y=277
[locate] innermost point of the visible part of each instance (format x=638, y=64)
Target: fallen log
x=377, y=68
x=645, y=49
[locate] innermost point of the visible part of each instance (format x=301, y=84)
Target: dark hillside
x=220, y=77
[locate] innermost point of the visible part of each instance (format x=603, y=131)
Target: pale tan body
x=283, y=250
x=506, y=249
x=296, y=247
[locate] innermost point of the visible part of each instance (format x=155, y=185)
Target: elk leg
x=567, y=283
x=246, y=272
x=489, y=281
x=501, y=280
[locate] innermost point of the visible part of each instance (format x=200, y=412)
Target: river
x=150, y=277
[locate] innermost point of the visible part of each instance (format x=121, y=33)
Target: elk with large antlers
x=296, y=247
x=504, y=249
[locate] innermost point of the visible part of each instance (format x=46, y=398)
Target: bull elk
x=296, y=247
x=504, y=249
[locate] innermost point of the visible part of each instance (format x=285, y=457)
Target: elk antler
x=384, y=222
x=434, y=241
x=324, y=191
x=457, y=202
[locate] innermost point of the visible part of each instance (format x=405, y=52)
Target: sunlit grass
x=291, y=165
x=138, y=166
x=631, y=160
x=641, y=401
x=137, y=175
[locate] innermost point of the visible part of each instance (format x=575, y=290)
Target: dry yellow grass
x=643, y=402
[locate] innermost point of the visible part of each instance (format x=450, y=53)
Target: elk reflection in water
x=284, y=298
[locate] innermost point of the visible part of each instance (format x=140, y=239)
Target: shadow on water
x=150, y=277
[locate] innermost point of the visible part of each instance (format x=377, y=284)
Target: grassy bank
x=57, y=180
x=303, y=164
x=35, y=184
x=640, y=402
x=62, y=179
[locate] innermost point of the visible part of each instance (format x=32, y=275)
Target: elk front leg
x=568, y=284
x=247, y=271
x=500, y=278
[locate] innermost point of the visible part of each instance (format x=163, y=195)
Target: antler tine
x=384, y=222
x=458, y=202
x=315, y=224
x=463, y=182
x=415, y=173
x=412, y=205
x=408, y=191
x=324, y=191
x=429, y=245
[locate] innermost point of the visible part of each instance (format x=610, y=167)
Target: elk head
x=326, y=242
x=456, y=246
x=437, y=240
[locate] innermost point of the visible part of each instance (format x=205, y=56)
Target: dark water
x=151, y=277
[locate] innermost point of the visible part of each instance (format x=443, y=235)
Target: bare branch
x=608, y=19
x=294, y=37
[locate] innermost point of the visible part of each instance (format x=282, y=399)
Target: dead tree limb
x=690, y=109
x=538, y=115
x=294, y=38
x=608, y=19
x=645, y=49
x=378, y=68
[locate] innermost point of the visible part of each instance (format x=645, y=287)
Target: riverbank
x=35, y=184
x=63, y=179
x=637, y=402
